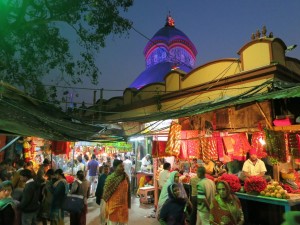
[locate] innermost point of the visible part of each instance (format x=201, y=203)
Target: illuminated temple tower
x=168, y=49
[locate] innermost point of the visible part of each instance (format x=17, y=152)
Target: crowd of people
x=209, y=203
x=210, y=200
x=27, y=195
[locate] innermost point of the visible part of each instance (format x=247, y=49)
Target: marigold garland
x=255, y=184
x=232, y=180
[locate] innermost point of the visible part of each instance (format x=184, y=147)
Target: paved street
x=138, y=214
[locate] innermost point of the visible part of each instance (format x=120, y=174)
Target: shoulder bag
x=73, y=203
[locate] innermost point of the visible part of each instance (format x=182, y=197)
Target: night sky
x=217, y=28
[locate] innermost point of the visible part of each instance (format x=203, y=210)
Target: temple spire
x=170, y=21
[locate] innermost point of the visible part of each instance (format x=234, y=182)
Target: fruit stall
x=265, y=203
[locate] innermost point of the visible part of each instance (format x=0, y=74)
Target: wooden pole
x=264, y=115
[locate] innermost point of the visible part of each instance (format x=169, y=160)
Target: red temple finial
x=170, y=21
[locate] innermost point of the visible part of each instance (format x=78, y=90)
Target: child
x=7, y=204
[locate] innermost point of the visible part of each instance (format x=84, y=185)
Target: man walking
x=206, y=190
x=93, y=168
x=116, y=195
x=29, y=204
x=128, y=166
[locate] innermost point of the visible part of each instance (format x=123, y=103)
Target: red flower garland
x=209, y=177
x=232, y=180
x=255, y=184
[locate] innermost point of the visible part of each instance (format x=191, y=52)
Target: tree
x=33, y=41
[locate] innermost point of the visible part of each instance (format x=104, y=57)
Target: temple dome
x=169, y=48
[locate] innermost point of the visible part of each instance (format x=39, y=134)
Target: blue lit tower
x=167, y=50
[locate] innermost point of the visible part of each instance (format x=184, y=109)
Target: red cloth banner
x=237, y=145
x=190, y=144
x=208, y=148
x=173, y=143
x=158, y=149
x=60, y=147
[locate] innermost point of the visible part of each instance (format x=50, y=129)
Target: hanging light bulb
x=262, y=141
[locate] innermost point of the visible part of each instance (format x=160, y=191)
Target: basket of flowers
x=255, y=184
x=232, y=180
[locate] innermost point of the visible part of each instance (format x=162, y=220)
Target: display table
x=139, y=174
x=147, y=194
x=262, y=210
x=286, y=203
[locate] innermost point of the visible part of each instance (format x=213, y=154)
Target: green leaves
x=41, y=37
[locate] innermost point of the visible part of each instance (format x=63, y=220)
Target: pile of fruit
x=274, y=190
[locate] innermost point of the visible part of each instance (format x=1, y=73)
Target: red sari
x=226, y=213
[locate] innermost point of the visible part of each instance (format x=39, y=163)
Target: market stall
x=261, y=210
x=274, y=146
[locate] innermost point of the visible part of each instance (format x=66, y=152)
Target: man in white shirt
x=127, y=166
x=80, y=165
x=254, y=167
x=164, y=174
x=145, y=162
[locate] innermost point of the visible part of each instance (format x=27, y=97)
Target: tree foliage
x=34, y=38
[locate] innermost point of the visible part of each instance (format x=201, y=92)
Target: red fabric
x=2, y=144
x=283, y=122
x=237, y=146
x=190, y=144
x=158, y=149
x=220, y=146
x=208, y=148
x=173, y=143
x=2, y=141
x=60, y=147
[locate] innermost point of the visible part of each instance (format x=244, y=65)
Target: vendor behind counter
x=146, y=163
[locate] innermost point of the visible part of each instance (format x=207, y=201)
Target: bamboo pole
x=264, y=115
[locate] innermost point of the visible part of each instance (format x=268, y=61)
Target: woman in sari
x=173, y=178
x=173, y=211
x=116, y=196
x=225, y=208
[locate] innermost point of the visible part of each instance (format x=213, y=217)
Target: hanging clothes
x=60, y=147
x=190, y=144
x=220, y=146
x=173, y=143
x=237, y=146
x=158, y=149
x=208, y=148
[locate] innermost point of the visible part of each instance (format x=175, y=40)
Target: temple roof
x=168, y=48
x=168, y=35
x=156, y=74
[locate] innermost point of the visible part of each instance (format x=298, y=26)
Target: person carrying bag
x=79, y=193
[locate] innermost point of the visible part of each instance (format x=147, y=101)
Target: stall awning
x=22, y=115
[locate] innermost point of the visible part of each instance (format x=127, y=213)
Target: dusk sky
x=217, y=28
